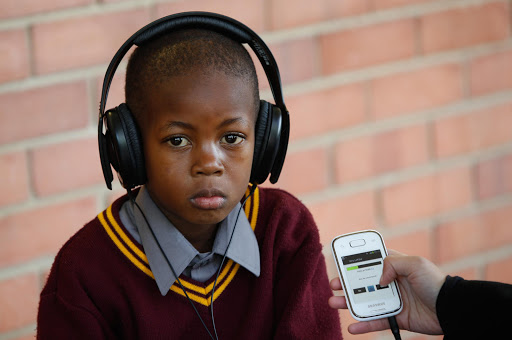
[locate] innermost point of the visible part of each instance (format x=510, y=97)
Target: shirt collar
x=243, y=249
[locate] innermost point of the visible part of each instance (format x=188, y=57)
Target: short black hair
x=176, y=53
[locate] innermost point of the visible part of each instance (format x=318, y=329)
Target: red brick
x=43, y=231
x=417, y=90
x=387, y=151
x=17, y=8
x=474, y=234
x=367, y=46
x=250, y=12
x=384, y=4
x=314, y=113
x=415, y=243
x=13, y=169
x=473, y=131
x=43, y=111
x=499, y=271
x=354, y=159
x=337, y=9
x=494, y=177
x=459, y=238
x=296, y=59
x=85, y=41
x=491, y=73
x=67, y=166
x=401, y=148
x=426, y=196
x=14, y=62
x=304, y=172
x=293, y=13
x=19, y=298
x=456, y=28
x=343, y=215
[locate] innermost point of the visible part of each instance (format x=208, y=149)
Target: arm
x=474, y=309
x=301, y=288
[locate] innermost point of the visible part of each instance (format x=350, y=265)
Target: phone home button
x=357, y=243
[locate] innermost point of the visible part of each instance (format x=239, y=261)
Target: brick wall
x=401, y=121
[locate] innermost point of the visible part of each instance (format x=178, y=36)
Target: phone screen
x=363, y=274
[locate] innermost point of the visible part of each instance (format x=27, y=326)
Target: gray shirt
x=184, y=258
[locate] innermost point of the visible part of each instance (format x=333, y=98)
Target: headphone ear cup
x=105, y=158
x=266, y=141
x=126, y=146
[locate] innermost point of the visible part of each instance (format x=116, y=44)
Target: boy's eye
x=178, y=141
x=232, y=139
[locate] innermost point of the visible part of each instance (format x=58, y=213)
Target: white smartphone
x=359, y=259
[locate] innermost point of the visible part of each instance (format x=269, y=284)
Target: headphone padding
x=208, y=23
x=262, y=131
x=133, y=174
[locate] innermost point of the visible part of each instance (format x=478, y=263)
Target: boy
x=194, y=95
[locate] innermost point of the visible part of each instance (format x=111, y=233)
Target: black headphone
x=121, y=144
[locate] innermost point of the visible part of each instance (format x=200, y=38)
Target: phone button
x=357, y=243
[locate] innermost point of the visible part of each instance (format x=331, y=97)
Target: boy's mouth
x=208, y=199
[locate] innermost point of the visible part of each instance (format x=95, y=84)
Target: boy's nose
x=208, y=161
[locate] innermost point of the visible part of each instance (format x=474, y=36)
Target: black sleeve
x=474, y=309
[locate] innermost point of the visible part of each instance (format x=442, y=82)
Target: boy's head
x=179, y=53
x=194, y=95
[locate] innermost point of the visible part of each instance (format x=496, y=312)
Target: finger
x=337, y=302
x=336, y=284
x=394, y=265
x=388, y=274
x=368, y=326
x=398, y=265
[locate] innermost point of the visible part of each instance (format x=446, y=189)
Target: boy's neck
x=201, y=238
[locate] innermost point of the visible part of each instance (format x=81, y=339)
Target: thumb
x=396, y=265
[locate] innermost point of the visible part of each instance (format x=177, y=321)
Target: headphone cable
x=253, y=189
x=394, y=327
x=169, y=263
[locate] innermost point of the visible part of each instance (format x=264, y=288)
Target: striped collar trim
x=197, y=292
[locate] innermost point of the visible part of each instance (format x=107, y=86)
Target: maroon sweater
x=101, y=287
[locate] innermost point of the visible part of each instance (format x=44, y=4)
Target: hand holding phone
x=420, y=281
x=359, y=259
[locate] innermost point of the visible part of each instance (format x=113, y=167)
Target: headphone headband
x=211, y=21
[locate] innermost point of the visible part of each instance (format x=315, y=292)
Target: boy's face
x=198, y=136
